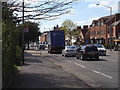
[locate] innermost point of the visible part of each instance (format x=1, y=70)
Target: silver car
x=101, y=49
x=69, y=51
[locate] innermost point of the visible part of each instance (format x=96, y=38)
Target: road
x=102, y=73
x=68, y=72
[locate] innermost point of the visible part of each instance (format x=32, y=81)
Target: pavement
x=39, y=72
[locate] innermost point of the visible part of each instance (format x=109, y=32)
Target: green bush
x=107, y=46
x=11, y=51
x=18, y=55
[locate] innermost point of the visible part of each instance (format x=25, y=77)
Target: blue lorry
x=56, y=41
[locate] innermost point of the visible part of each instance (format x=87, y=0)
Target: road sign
x=26, y=29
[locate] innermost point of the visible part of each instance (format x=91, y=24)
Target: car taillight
x=84, y=51
x=66, y=50
x=53, y=50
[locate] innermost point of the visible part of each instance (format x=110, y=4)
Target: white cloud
x=46, y=28
x=114, y=5
x=87, y=22
x=92, y=5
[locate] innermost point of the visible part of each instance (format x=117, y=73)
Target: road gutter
x=88, y=81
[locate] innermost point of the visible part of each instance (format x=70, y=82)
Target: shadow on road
x=33, y=61
x=95, y=60
x=35, y=80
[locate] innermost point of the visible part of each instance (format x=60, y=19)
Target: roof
x=116, y=23
x=106, y=18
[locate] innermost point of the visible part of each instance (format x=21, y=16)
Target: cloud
x=87, y=22
x=46, y=28
x=114, y=5
x=92, y=5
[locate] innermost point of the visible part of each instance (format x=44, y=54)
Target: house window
x=98, y=32
x=102, y=32
x=93, y=32
x=108, y=30
x=93, y=25
x=98, y=24
x=101, y=23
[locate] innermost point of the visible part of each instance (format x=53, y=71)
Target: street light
x=110, y=25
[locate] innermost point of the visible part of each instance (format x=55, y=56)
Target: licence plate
x=92, y=54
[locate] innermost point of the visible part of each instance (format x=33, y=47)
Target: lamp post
x=110, y=25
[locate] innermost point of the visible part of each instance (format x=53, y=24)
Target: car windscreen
x=91, y=49
x=83, y=47
x=71, y=48
x=99, y=46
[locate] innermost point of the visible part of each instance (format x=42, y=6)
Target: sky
x=83, y=12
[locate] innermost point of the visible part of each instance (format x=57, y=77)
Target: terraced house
x=100, y=29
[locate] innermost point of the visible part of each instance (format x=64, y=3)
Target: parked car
x=101, y=49
x=87, y=52
x=69, y=51
x=42, y=46
x=77, y=47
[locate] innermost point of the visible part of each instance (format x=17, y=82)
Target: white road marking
x=80, y=65
x=102, y=74
x=36, y=54
x=113, y=61
x=68, y=60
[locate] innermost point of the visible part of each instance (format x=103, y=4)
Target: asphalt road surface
x=44, y=70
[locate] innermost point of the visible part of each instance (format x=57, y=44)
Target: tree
x=11, y=51
x=70, y=26
x=33, y=33
x=43, y=10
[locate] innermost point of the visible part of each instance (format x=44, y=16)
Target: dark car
x=42, y=46
x=87, y=52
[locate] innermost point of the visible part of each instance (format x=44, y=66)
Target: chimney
x=85, y=27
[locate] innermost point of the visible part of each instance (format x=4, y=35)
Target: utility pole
x=23, y=36
x=110, y=29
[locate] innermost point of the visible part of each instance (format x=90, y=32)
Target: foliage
x=33, y=33
x=69, y=26
x=66, y=31
x=11, y=51
x=107, y=46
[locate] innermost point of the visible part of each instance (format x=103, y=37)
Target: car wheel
x=82, y=57
x=62, y=55
x=65, y=55
x=77, y=57
x=50, y=52
x=97, y=58
x=104, y=54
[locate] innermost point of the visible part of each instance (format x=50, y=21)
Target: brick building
x=82, y=34
x=43, y=38
x=100, y=29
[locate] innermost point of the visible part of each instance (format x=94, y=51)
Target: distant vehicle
x=69, y=51
x=87, y=52
x=117, y=45
x=77, y=46
x=101, y=49
x=56, y=41
x=42, y=46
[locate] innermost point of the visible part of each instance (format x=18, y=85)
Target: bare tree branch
x=46, y=10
